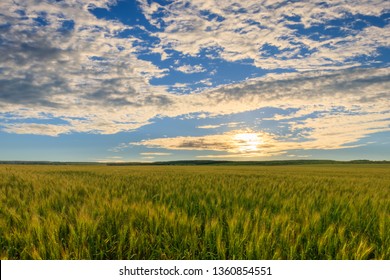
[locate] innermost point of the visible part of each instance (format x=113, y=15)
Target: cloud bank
x=308, y=35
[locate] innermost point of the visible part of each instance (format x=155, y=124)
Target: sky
x=141, y=80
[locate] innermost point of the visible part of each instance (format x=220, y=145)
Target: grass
x=195, y=212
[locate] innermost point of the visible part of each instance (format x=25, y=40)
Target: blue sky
x=141, y=80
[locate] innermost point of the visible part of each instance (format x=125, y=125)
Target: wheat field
x=337, y=211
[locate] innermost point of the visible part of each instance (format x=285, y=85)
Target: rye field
x=338, y=211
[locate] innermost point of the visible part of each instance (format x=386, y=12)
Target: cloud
x=210, y=126
x=179, y=85
x=323, y=133
x=363, y=92
x=208, y=81
x=110, y=159
x=221, y=142
x=37, y=129
x=155, y=154
x=246, y=30
x=77, y=69
x=365, y=88
x=331, y=110
x=75, y=66
x=119, y=148
x=190, y=69
x=299, y=156
x=332, y=131
x=148, y=157
x=233, y=144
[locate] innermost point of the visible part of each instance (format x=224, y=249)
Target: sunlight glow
x=247, y=142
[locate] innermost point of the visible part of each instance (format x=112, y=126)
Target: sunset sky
x=140, y=80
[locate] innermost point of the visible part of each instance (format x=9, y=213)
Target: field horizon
x=201, y=162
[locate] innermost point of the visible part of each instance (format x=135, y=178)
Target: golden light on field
x=247, y=142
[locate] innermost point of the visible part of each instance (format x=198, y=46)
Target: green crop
x=195, y=212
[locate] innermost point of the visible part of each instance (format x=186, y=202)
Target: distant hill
x=48, y=162
x=202, y=162
x=272, y=162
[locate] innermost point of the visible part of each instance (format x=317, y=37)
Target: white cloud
x=210, y=126
x=179, y=85
x=110, y=159
x=155, y=154
x=190, y=69
x=332, y=131
x=239, y=30
x=37, y=129
x=119, y=148
x=231, y=124
x=298, y=156
x=84, y=74
x=148, y=157
x=208, y=81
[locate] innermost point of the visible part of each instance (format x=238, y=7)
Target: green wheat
x=195, y=212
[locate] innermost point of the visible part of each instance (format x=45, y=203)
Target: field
x=336, y=211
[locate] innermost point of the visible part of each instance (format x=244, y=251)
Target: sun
x=247, y=142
